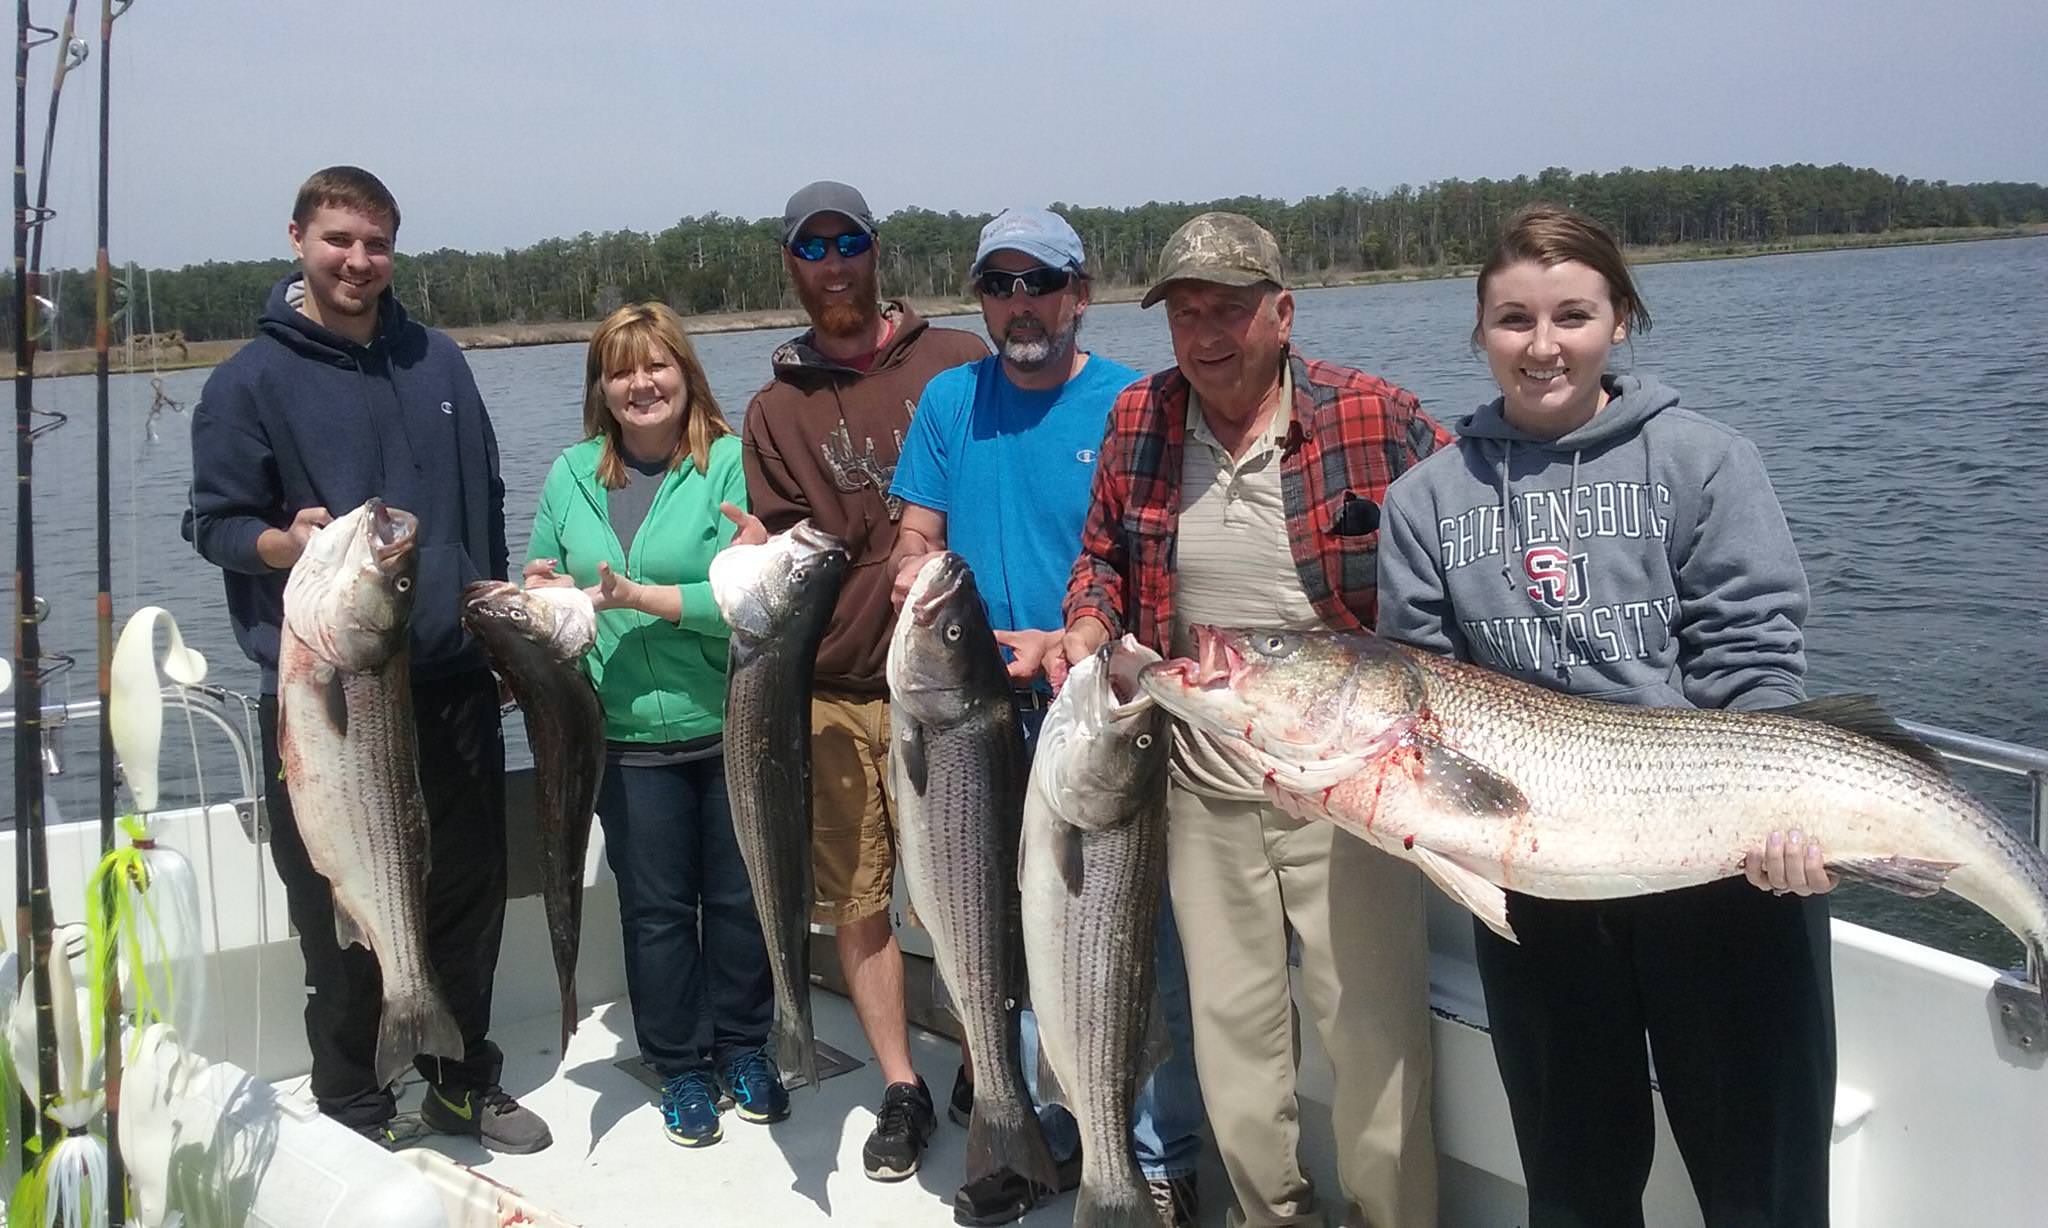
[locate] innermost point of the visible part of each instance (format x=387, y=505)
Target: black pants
x=462, y=775
x=697, y=970
x=1732, y=987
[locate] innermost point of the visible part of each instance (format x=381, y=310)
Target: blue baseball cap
x=1038, y=233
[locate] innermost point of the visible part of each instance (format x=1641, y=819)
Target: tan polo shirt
x=1232, y=568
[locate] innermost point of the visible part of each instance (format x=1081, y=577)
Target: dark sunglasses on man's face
x=812, y=247
x=997, y=283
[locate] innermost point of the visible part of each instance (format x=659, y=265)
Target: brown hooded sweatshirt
x=822, y=441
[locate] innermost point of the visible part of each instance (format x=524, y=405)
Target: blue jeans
x=1167, y=1117
x=696, y=966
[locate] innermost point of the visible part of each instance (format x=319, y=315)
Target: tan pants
x=1240, y=873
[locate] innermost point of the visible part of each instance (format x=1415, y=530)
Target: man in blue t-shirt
x=997, y=468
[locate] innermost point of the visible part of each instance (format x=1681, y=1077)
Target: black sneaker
x=399, y=1131
x=1177, y=1200
x=490, y=1116
x=960, y=1105
x=1003, y=1197
x=902, y=1129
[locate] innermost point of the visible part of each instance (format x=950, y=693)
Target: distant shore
x=504, y=336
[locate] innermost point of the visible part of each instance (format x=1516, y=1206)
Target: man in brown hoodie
x=822, y=438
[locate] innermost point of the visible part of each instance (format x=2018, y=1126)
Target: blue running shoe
x=689, y=1111
x=756, y=1086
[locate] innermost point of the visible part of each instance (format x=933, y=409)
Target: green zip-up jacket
x=659, y=681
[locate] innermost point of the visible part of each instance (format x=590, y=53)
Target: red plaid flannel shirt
x=1351, y=435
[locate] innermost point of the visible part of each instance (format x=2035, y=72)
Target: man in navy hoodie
x=338, y=398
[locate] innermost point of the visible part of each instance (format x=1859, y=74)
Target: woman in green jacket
x=632, y=515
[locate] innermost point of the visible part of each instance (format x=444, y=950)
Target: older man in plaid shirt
x=1242, y=488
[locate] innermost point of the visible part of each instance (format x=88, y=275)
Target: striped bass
x=1487, y=782
x=536, y=639
x=956, y=755
x=345, y=734
x=1093, y=868
x=778, y=598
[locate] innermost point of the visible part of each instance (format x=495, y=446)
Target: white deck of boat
x=612, y=1167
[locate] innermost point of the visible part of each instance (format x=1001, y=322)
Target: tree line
x=717, y=263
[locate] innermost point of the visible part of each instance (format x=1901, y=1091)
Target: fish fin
x=1067, y=848
x=1050, y=1089
x=1486, y=901
x=1115, y=1206
x=411, y=1027
x=1466, y=786
x=347, y=932
x=1156, y=1047
x=1910, y=876
x=1865, y=717
x=796, y=1052
x=910, y=744
x=1017, y=1142
x=334, y=698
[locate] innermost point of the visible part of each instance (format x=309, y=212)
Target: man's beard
x=847, y=318
x=1036, y=352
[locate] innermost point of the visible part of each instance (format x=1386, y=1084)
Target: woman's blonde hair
x=625, y=340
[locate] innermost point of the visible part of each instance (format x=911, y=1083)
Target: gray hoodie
x=1642, y=558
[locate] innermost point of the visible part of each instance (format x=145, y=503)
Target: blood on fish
x=1408, y=841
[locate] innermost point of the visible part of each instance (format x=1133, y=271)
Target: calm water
x=1898, y=397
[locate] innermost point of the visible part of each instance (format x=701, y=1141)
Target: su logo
x=1559, y=579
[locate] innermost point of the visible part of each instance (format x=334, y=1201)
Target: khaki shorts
x=853, y=826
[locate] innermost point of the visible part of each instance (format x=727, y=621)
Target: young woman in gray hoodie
x=1588, y=535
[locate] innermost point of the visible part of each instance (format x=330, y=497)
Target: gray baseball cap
x=824, y=196
x=1040, y=234
x=1226, y=248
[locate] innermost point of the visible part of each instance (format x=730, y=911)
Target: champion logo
x=1086, y=456
x=447, y=407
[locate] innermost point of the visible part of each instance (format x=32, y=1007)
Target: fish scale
x=1504, y=784
x=350, y=763
x=1097, y=789
x=956, y=759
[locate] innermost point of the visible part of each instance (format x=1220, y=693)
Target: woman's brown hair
x=624, y=341
x=1550, y=234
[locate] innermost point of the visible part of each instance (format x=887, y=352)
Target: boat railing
x=231, y=713
x=2007, y=757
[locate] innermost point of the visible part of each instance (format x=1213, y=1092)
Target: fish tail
x=414, y=1025
x=1118, y=1206
x=796, y=1048
x=1014, y=1141
x=571, y=1013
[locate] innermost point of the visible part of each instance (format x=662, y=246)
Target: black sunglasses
x=999, y=283
x=812, y=247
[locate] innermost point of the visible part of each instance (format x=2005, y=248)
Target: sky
x=499, y=123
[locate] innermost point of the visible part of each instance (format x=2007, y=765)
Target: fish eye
x=952, y=633
x=403, y=584
x=516, y=614
x=1274, y=644
x=797, y=575
x=1144, y=741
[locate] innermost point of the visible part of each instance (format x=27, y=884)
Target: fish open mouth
x=1123, y=662
x=480, y=595
x=391, y=532
x=931, y=598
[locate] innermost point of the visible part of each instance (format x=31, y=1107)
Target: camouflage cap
x=1227, y=248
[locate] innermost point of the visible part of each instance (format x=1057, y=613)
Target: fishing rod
x=32, y=872
x=117, y=1176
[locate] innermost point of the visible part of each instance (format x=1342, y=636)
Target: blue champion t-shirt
x=1012, y=471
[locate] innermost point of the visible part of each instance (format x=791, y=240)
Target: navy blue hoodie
x=303, y=417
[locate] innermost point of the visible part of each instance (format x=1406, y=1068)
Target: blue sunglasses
x=812, y=247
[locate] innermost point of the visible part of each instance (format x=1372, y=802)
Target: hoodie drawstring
x=1571, y=550
x=1507, y=531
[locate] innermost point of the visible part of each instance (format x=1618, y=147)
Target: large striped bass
x=536, y=639
x=345, y=733
x=1487, y=782
x=956, y=755
x=778, y=598
x=1093, y=868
